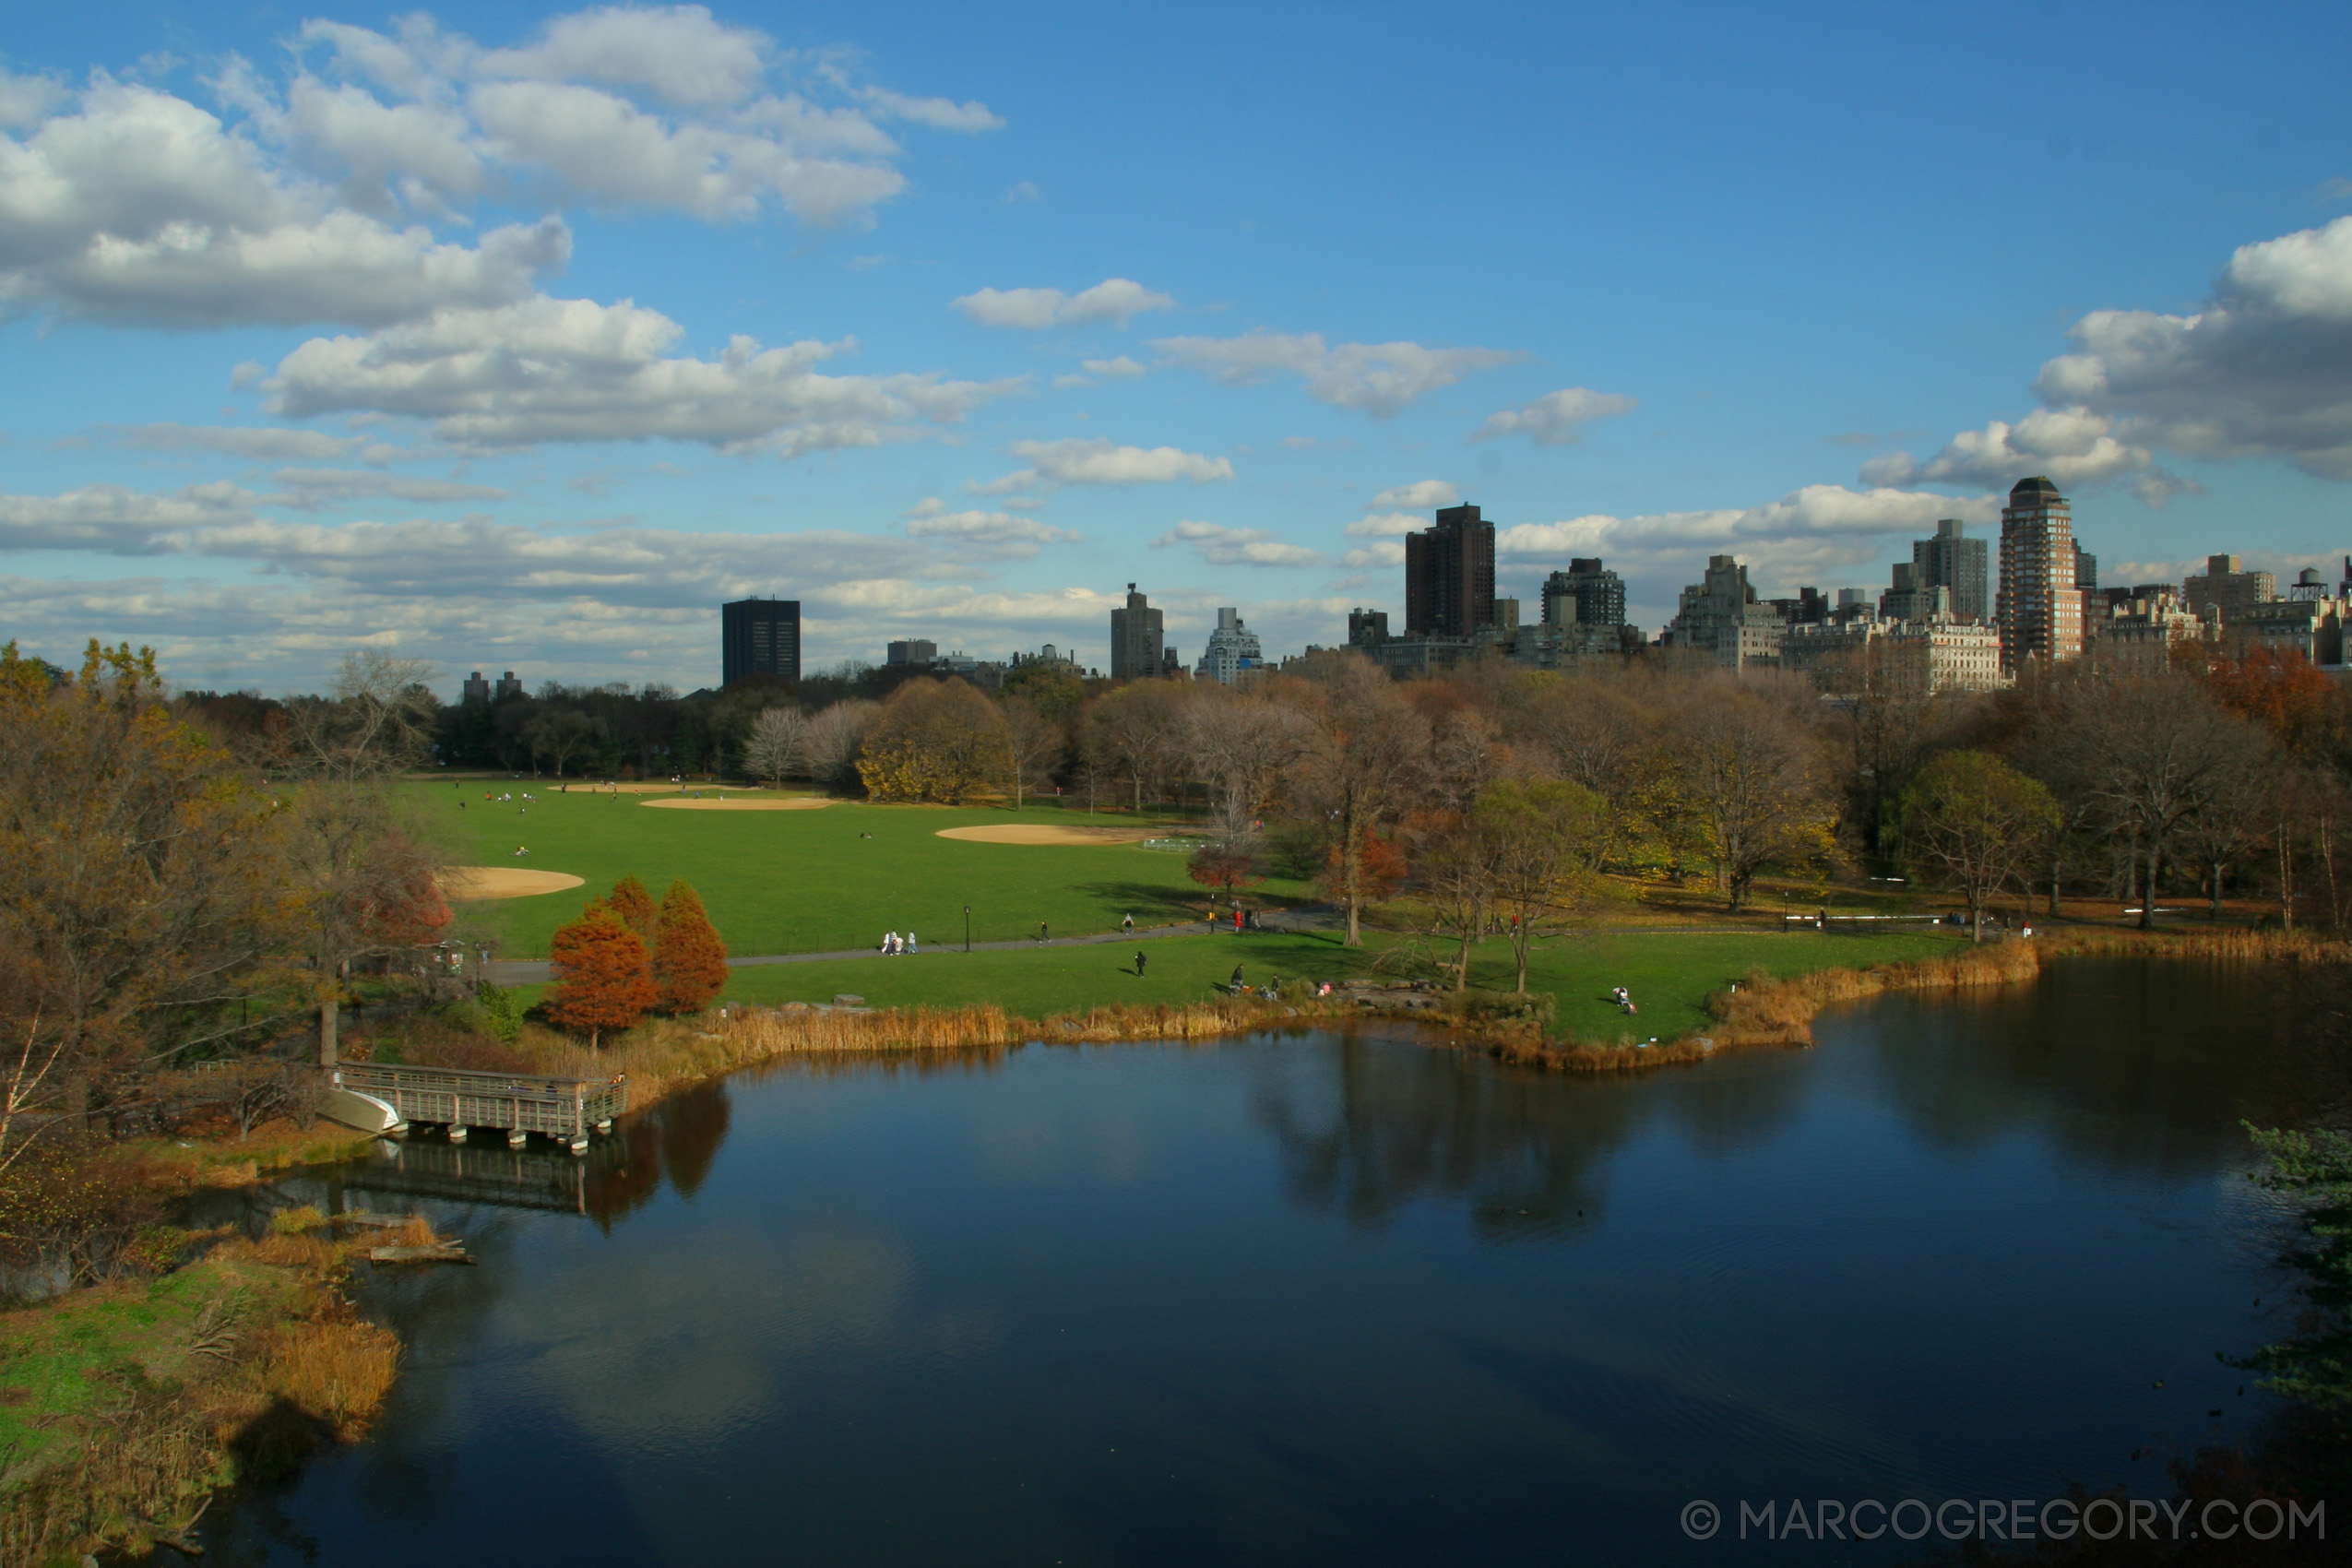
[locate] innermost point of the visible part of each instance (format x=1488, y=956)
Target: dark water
x=1326, y=1299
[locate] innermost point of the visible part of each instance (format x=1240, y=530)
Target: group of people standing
x=894, y=945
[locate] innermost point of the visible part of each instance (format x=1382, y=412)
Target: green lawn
x=806, y=881
x=1670, y=975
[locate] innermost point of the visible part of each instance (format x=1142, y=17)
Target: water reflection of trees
x=2130, y=1065
x=1375, y=1122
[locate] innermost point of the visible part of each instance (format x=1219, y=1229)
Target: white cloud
x=1025, y=191
x=125, y=203
x=1422, y=495
x=1114, y=298
x=1222, y=546
x=262, y=445
x=574, y=370
x=992, y=533
x=1383, y=553
x=332, y=487
x=1120, y=369
x=1382, y=525
x=1080, y=460
x=113, y=520
x=1556, y=418
x=1377, y=378
x=1809, y=533
x=2264, y=369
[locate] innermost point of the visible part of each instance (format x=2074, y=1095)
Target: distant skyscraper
x=760, y=636
x=508, y=688
x=2228, y=588
x=1449, y=575
x=1951, y=560
x=1586, y=594
x=475, y=690
x=1232, y=648
x=912, y=650
x=1367, y=628
x=1720, y=615
x=1136, y=651
x=2040, y=609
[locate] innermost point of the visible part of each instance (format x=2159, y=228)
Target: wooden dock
x=462, y=1099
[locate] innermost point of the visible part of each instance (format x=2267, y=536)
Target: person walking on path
x=1139, y=963
x=910, y=944
x=1127, y=925
x=1041, y=932
x=1237, y=919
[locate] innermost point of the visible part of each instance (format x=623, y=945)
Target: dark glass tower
x=760, y=636
x=1449, y=575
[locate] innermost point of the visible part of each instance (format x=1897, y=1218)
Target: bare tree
x=1368, y=765
x=1747, y=777
x=834, y=736
x=2236, y=815
x=1243, y=744
x=378, y=720
x=777, y=745
x=1137, y=732
x=1035, y=745
x=1543, y=833
x=1458, y=867
x=562, y=735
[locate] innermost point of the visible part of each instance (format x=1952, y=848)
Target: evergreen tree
x=689, y=961
x=633, y=903
x=603, y=980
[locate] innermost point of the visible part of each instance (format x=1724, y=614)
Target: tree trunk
x=2148, y=899
x=2286, y=878
x=1975, y=917
x=2213, y=911
x=1348, y=884
x=327, y=1011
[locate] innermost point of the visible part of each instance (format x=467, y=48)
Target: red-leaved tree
x=602, y=979
x=689, y=961
x=633, y=904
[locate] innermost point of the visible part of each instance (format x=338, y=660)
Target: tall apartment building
x=475, y=690
x=2227, y=586
x=1586, y=594
x=2040, y=609
x=1367, y=628
x=759, y=636
x=1232, y=648
x=911, y=650
x=508, y=686
x=1951, y=560
x=1137, y=647
x=1720, y=615
x=1449, y=575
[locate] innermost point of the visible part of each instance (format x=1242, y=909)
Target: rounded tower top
x=2026, y=489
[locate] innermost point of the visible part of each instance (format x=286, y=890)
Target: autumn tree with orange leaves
x=689, y=961
x=604, y=978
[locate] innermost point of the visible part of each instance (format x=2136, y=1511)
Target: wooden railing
x=462, y=1097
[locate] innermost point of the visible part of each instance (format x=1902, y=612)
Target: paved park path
x=529, y=971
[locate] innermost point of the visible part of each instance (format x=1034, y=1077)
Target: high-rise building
x=2040, y=610
x=1232, y=648
x=760, y=636
x=475, y=690
x=2227, y=586
x=1137, y=645
x=912, y=650
x=1720, y=615
x=508, y=688
x=1449, y=575
x=1586, y=594
x=1951, y=560
x=1367, y=628
x=1910, y=599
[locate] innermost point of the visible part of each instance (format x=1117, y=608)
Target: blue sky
x=519, y=338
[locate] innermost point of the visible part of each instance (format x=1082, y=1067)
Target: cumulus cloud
x=2264, y=369
x=264, y=443
x=1120, y=369
x=993, y=533
x=575, y=370
x=331, y=487
x=1222, y=546
x=310, y=196
x=1556, y=418
x=1383, y=552
x=1382, y=525
x=1080, y=460
x=1422, y=495
x=1114, y=300
x=1809, y=533
x=1376, y=378
x=113, y=520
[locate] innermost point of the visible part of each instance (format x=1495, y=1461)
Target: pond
x=1333, y=1297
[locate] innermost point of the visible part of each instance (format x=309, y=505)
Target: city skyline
x=875, y=311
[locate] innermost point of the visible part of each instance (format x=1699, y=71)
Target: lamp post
x=1784, y=909
x=968, y=928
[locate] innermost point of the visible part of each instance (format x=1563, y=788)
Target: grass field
x=808, y=881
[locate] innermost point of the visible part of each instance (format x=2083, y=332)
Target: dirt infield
x=466, y=884
x=1039, y=833
x=741, y=803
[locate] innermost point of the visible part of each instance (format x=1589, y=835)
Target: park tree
x=1603, y=733
x=835, y=734
x=1137, y=732
x=1543, y=834
x=1745, y=774
x=633, y=901
x=1243, y=744
x=603, y=977
x=1034, y=747
x=378, y=720
x=1977, y=826
x=689, y=961
x=1055, y=690
x=1223, y=868
x=561, y=735
x=1366, y=764
x=773, y=748
x=934, y=740
x=1459, y=865
x=144, y=902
